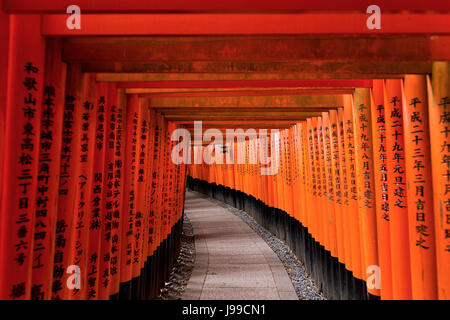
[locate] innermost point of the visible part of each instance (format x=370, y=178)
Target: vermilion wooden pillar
x=118, y=216
x=335, y=184
x=107, y=193
x=349, y=140
x=381, y=188
x=68, y=180
x=48, y=171
x=331, y=214
x=400, y=257
x=82, y=210
x=25, y=84
x=151, y=189
x=366, y=186
x=140, y=190
x=129, y=208
x=4, y=58
x=307, y=176
x=96, y=219
x=439, y=108
x=312, y=219
x=344, y=189
x=419, y=188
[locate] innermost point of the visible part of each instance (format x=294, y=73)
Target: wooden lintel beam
x=423, y=48
x=344, y=83
x=244, y=24
x=338, y=68
x=303, y=101
x=253, y=70
x=240, y=93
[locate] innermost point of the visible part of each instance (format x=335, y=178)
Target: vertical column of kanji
x=118, y=219
x=310, y=125
x=269, y=177
x=279, y=178
x=48, y=171
x=398, y=211
x=172, y=177
x=335, y=184
x=342, y=189
x=107, y=208
x=281, y=172
x=169, y=177
x=129, y=208
x=162, y=176
x=151, y=188
x=279, y=187
x=439, y=104
x=350, y=159
x=283, y=175
x=307, y=175
x=381, y=188
x=155, y=195
x=326, y=213
x=367, y=205
x=286, y=183
x=330, y=212
x=4, y=58
x=302, y=175
x=138, y=231
x=293, y=171
x=322, y=186
x=69, y=172
x=295, y=168
x=169, y=180
x=148, y=183
x=97, y=200
x=25, y=84
x=420, y=195
x=84, y=183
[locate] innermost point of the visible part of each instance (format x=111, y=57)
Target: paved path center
x=232, y=261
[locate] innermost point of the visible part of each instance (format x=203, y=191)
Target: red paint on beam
x=341, y=83
x=109, y=6
x=242, y=24
x=245, y=93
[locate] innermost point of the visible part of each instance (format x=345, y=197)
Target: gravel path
x=303, y=284
x=182, y=270
x=181, y=273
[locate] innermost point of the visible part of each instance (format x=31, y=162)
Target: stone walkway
x=232, y=262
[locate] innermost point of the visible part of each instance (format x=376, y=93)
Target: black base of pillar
x=156, y=269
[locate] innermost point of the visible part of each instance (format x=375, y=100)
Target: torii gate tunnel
x=96, y=105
